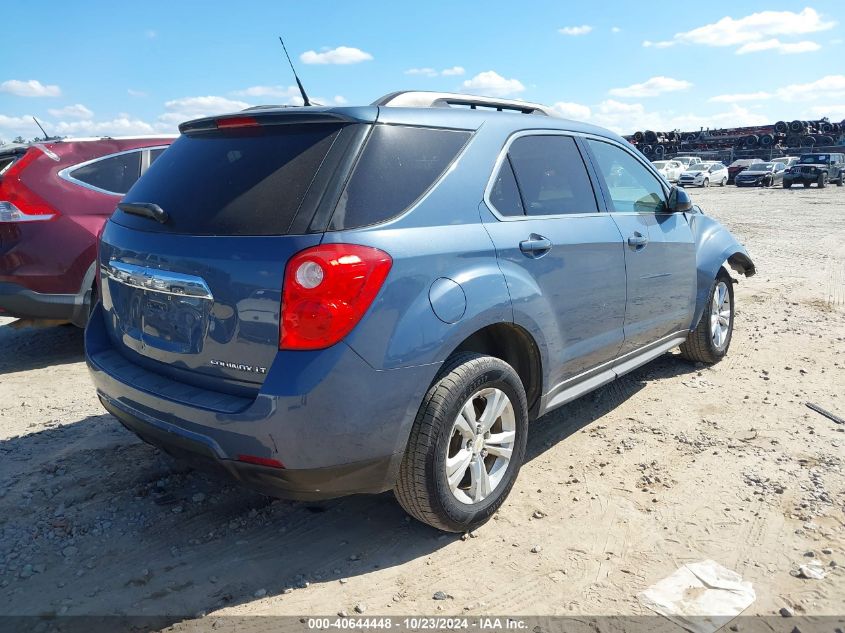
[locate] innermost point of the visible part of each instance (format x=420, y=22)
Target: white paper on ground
x=701, y=597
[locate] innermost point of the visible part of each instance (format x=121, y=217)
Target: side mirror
x=679, y=200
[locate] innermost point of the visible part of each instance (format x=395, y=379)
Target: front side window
x=632, y=187
x=115, y=174
x=551, y=175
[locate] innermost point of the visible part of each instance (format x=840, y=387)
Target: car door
x=659, y=246
x=562, y=257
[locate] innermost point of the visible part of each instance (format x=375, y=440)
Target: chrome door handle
x=535, y=245
x=637, y=241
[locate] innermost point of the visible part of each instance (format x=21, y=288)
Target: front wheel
x=706, y=182
x=709, y=341
x=466, y=446
x=822, y=182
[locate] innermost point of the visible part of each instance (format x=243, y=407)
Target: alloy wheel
x=720, y=315
x=480, y=445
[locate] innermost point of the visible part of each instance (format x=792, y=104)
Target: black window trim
x=67, y=172
x=641, y=159
x=598, y=191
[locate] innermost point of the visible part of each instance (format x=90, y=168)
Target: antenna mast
x=305, y=100
x=46, y=136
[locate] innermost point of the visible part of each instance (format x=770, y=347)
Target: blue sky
x=93, y=67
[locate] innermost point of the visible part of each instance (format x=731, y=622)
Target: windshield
x=762, y=167
x=814, y=158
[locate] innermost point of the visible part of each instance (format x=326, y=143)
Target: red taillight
x=17, y=202
x=261, y=461
x=327, y=290
x=236, y=121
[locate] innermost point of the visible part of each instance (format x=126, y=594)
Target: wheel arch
x=516, y=346
x=716, y=250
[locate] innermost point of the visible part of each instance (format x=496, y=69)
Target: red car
x=54, y=199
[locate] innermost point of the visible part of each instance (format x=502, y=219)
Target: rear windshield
x=248, y=181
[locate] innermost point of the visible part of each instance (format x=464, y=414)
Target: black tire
x=700, y=346
x=787, y=185
x=821, y=183
x=706, y=182
x=806, y=185
x=422, y=488
x=723, y=182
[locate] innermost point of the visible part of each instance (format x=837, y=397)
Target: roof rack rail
x=427, y=99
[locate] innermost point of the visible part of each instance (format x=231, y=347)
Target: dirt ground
x=674, y=463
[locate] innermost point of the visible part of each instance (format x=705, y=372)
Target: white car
x=688, y=161
x=704, y=175
x=671, y=170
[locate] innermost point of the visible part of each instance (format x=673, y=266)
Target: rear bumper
x=337, y=425
x=19, y=301
x=375, y=475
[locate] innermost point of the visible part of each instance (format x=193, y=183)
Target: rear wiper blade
x=145, y=210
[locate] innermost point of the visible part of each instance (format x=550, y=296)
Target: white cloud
x=187, y=108
x=651, y=87
x=339, y=55
x=135, y=93
x=774, y=44
x=12, y=126
x=493, y=84
x=626, y=118
x=575, y=30
x=834, y=112
x=121, y=125
x=753, y=30
x=431, y=72
x=571, y=110
x=453, y=71
x=340, y=100
x=743, y=96
x=77, y=111
x=425, y=72
x=30, y=88
x=615, y=29
x=650, y=44
x=286, y=93
x=829, y=87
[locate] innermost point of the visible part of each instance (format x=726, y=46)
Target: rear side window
x=505, y=193
x=115, y=174
x=155, y=153
x=397, y=166
x=551, y=176
x=245, y=181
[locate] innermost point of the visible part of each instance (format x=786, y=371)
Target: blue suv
x=328, y=301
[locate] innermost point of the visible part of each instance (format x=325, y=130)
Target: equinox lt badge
x=239, y=366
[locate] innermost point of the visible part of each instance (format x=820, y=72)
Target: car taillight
x=17, y=202
x=327, y=290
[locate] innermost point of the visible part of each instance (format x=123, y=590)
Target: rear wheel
x=724, y=182
x=466, y=446
x=710, y=340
